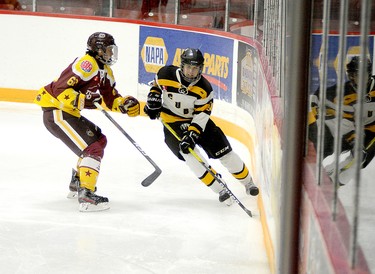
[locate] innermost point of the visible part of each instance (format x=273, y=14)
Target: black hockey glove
x=153, y=106
x=188, y=141
x=130, y=106
x=87, y=100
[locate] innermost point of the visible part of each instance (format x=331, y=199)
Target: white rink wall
x=38, y=48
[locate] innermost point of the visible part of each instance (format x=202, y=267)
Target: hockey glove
x=130, y=106
x=87, y=100
x=153, y=106
x=188, y=141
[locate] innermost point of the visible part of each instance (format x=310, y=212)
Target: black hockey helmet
x=352, y=69
x=193, y=57
x=353, y=65
x=102, y=46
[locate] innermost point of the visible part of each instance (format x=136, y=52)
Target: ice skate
x=251, y=188
x=73, y=186
x=89, y=201
x=225, y=197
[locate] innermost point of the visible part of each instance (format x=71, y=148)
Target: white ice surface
x=365, y=213
x=176, y=225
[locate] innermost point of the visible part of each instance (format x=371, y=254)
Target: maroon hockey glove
x=87, y=100
x=130, y=106
x=92, y=98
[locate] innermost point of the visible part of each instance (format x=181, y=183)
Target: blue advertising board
x=352, y=48
x=160, y=47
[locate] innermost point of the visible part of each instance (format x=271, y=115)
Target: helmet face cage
x=103, y=46
x=192, y=57
x=352, y=69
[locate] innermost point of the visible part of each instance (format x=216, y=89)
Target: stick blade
x=249, y=213
x=151, y=178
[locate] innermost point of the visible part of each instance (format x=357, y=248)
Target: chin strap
x=178, y=75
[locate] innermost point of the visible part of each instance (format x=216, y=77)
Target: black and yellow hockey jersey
x=348, y=123
x=183, y=101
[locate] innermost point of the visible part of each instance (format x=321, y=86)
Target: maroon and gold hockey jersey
x=81, y=77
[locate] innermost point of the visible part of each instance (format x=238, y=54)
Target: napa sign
x=154, y=54
x=160, y=47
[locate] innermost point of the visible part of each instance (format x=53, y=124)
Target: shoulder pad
x=167, y=72
x=85, y=67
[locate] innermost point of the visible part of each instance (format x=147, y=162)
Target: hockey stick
x=152, y=177
x=218, y=179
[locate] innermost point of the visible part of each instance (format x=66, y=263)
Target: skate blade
x=228, y=202
x=72, y=195
x=87, y=207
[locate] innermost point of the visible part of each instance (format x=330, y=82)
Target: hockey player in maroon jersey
x=183, y=99
x=87, y=80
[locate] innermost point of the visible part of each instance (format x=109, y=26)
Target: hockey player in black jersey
x=183, y=99
x=348, y=122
